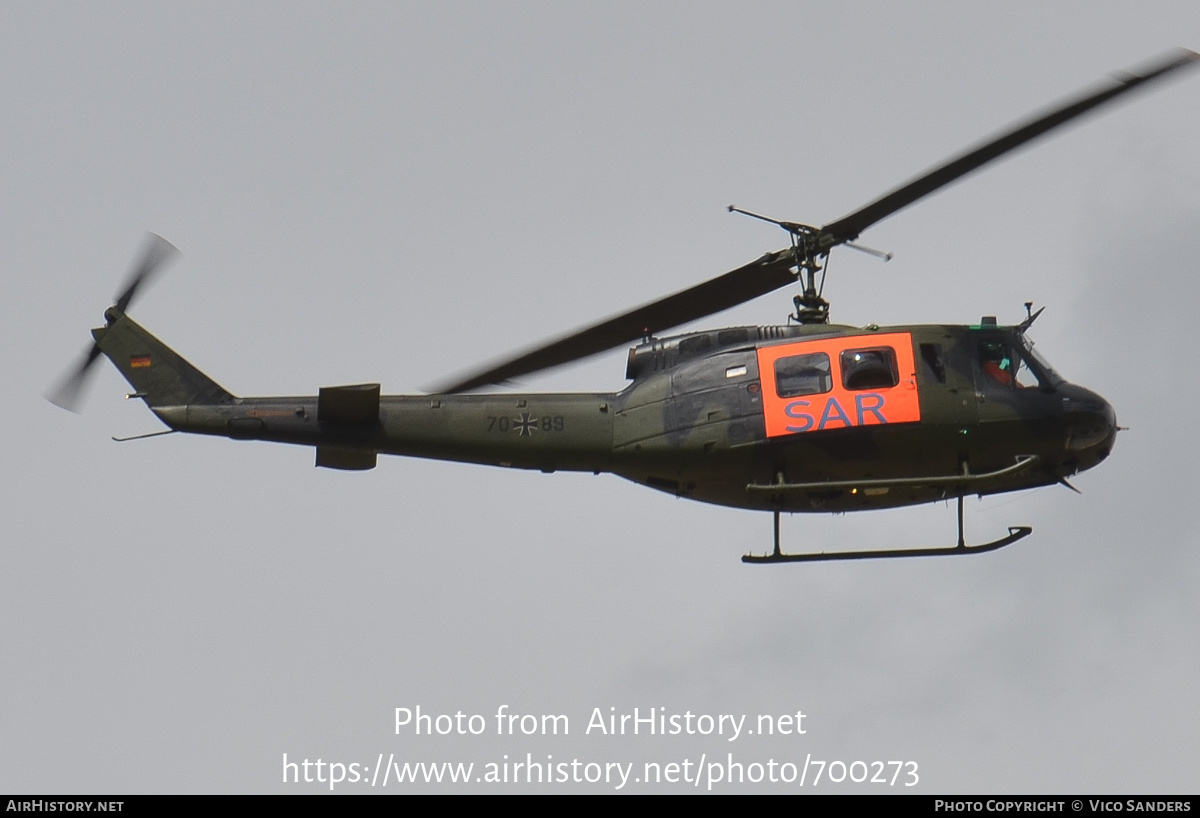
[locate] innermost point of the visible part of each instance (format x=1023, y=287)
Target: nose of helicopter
x=1091, y=424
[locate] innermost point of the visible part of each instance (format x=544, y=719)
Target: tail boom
x=350, y=425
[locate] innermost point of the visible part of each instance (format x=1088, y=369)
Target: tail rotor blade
x=157, y=253
x=69, y=392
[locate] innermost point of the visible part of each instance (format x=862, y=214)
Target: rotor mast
x=810, y=246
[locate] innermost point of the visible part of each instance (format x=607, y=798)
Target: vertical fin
x=157, y=373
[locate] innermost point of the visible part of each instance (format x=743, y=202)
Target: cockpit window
x=803, y=375
x=1004, y=367
x=1025, y=377
x=1039, y=363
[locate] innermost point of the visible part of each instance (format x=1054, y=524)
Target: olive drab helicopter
x=805, y=417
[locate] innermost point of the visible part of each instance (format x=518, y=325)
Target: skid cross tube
x=951, y=483
x=957, y=483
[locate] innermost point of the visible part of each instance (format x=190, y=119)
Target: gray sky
x=395, y=192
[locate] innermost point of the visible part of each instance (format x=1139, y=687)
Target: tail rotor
x=68, y=393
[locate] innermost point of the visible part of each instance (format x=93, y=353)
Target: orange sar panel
x=814, y=396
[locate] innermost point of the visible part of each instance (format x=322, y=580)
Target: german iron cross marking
x=524, y=425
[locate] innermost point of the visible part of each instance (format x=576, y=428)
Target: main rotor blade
x=768, y=273
x=848, y=227
x=157, y=253
x=775, y=270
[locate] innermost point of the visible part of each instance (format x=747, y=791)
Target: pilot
x=995, y=361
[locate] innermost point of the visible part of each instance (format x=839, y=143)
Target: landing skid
x=1016, y=532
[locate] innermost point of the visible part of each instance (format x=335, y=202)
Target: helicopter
x=804, y=417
